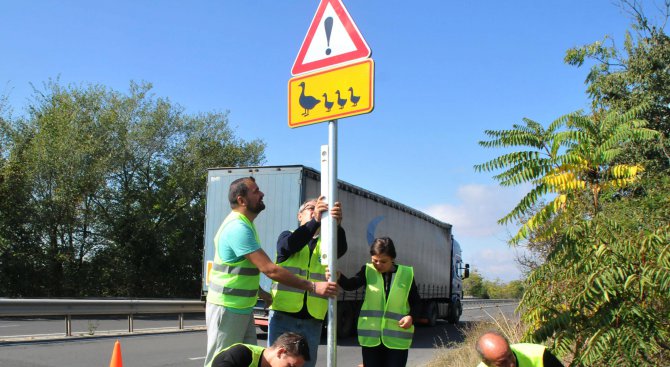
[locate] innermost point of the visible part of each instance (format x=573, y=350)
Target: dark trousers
x=380, y=356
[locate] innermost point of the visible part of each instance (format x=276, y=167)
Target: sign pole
x=332, y=261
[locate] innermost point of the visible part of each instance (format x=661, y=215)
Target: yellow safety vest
x=378, y=320
x=304, y=266
x=527, y=355
x=256, y=352
x=233, y=284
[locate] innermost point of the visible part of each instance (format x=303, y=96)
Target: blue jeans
x=281, y=322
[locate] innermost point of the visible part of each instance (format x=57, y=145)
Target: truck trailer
x=421, y=241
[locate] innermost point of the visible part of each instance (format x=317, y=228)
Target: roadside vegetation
x=479, y=287
x=103, y=192
x=464, y=354
x=597, y=218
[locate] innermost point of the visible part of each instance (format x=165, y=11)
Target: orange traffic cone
x=116, y=356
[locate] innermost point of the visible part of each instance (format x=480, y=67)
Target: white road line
x=196, y=358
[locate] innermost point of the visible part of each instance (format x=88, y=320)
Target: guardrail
x=131, y=307
x=477, y=303
x=78, y=307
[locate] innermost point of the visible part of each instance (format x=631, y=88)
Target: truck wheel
x=431, y=313
x=346, y=320
x=455, y=311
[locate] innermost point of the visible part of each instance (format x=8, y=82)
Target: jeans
x=281, y=322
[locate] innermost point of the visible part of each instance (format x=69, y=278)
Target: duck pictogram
x=326, y=103
x=354, y=99
x=307, y=102
x=340, y=101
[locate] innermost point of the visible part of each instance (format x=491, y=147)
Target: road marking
x=10, y=325
x=195, y=358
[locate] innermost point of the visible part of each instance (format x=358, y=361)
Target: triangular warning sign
x=332, y=39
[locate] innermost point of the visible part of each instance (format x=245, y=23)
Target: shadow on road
x=425, y=337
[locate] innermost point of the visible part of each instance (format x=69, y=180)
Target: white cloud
x=478, y=210
x=495, y=262
x=474, y=218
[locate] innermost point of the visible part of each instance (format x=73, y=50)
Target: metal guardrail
x=78, y=307
x=477, y=303
x=131, y=307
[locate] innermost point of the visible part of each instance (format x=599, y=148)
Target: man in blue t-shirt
x=235, y=275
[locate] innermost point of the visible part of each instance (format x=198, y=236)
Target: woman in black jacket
x=385, y=325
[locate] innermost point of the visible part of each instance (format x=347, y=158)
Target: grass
x=464, y=354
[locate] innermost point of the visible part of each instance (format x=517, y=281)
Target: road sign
x=331, y=39
x=343, y=91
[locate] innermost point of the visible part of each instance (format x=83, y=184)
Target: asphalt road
x=177, y=348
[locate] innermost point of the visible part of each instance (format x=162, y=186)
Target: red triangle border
x=362, y=50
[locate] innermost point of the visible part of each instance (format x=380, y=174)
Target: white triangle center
x=323, y=47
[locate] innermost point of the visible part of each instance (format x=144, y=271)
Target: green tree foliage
x=478, y=287
x=499, y=290
x=106, y=193
x=575, y=153
x=635, y=75
x=605, y=281
x=474, y=285
x=602, y=295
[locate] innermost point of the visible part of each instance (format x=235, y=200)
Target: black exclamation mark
x=328, y=23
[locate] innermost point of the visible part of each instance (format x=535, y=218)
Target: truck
x=421, y=241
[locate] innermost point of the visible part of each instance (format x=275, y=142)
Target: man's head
x=306, y=211
x=495, y=351
x=244, y=193
x=289, y=350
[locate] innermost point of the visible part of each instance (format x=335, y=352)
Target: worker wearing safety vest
x=495, y=351
x=299, y=251
x=234, y=278
x=385, y=324
x=290, y=349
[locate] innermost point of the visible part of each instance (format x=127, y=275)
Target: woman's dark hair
x=294, y=344
x=383, y=246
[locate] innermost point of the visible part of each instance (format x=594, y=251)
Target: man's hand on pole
x=328, y=289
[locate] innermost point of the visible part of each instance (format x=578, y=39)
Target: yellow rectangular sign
x=331, y=94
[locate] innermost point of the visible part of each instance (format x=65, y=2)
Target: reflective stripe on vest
x=233, y=284
x=378, y=319
x=304, y=266
x=256, y=353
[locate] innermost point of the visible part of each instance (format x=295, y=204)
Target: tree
x=474, y=285
x=637, y=74
x=109, y=192
x=584, y=287
x=21, y=262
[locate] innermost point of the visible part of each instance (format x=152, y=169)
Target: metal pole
x=68, y=325
x=332, y=262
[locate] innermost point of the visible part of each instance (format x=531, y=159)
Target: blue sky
x=444, y=72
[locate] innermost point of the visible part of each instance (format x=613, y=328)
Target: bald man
x=495, y=351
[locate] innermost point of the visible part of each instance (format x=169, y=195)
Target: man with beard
x=235, y=275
